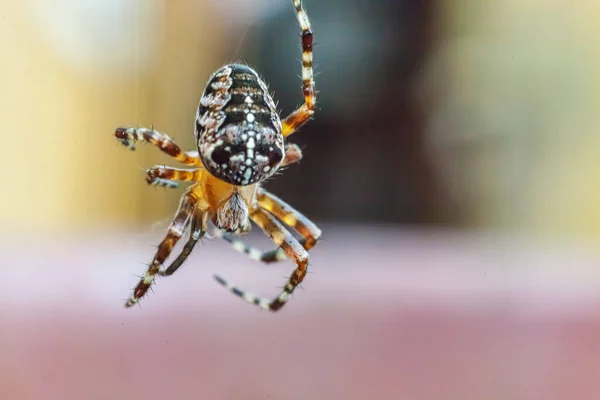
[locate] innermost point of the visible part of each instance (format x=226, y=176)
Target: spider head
x=242, y=156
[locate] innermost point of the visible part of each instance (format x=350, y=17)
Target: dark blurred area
x=366, y=159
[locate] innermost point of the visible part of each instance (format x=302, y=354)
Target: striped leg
x=299, y=117
x=252, y=252
x=187, y=206
x=167, y=176
x=291, y=217
x=292, y=249
x=129, y=136
x=196, y=233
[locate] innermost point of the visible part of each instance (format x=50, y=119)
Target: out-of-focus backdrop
x=454, y=166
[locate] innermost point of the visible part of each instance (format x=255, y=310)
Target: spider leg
x=167, y=176
x=129, y=136
x=293, y=250
x=286, y=213
x=187, y=205
x=291, y=217
x=165, y=183
x=252, y=252
x=196, y=233
x=299, y=117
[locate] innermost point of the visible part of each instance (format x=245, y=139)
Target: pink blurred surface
x=384, y=314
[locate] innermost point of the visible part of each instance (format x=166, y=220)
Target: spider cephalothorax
x=241, y=142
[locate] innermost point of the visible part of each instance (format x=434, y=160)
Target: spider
x=240, y=141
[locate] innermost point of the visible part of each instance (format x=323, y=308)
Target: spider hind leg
x=182, y=217
x=252, y=252
x=196, y=233
x=286, y=213
x=293, y=250
x=291, y=217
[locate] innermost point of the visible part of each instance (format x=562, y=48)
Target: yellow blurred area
x=517, y=113
x=57, y=117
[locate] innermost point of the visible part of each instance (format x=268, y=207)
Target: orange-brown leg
x=167, y=176
x=186, y=208
x=286, y=213
x=197, y=231
x=299, y=117
x=291, y=217
x=292, y=249
x=129, y=136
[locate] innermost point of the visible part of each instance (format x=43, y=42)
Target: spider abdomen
x=238, y=128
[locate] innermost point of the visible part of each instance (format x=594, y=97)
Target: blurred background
x=454, y=166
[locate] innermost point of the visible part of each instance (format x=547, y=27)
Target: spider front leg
x=293, y=250
x=299, y=117
x=186, y=208
x=167, y=176
x=129, y=136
